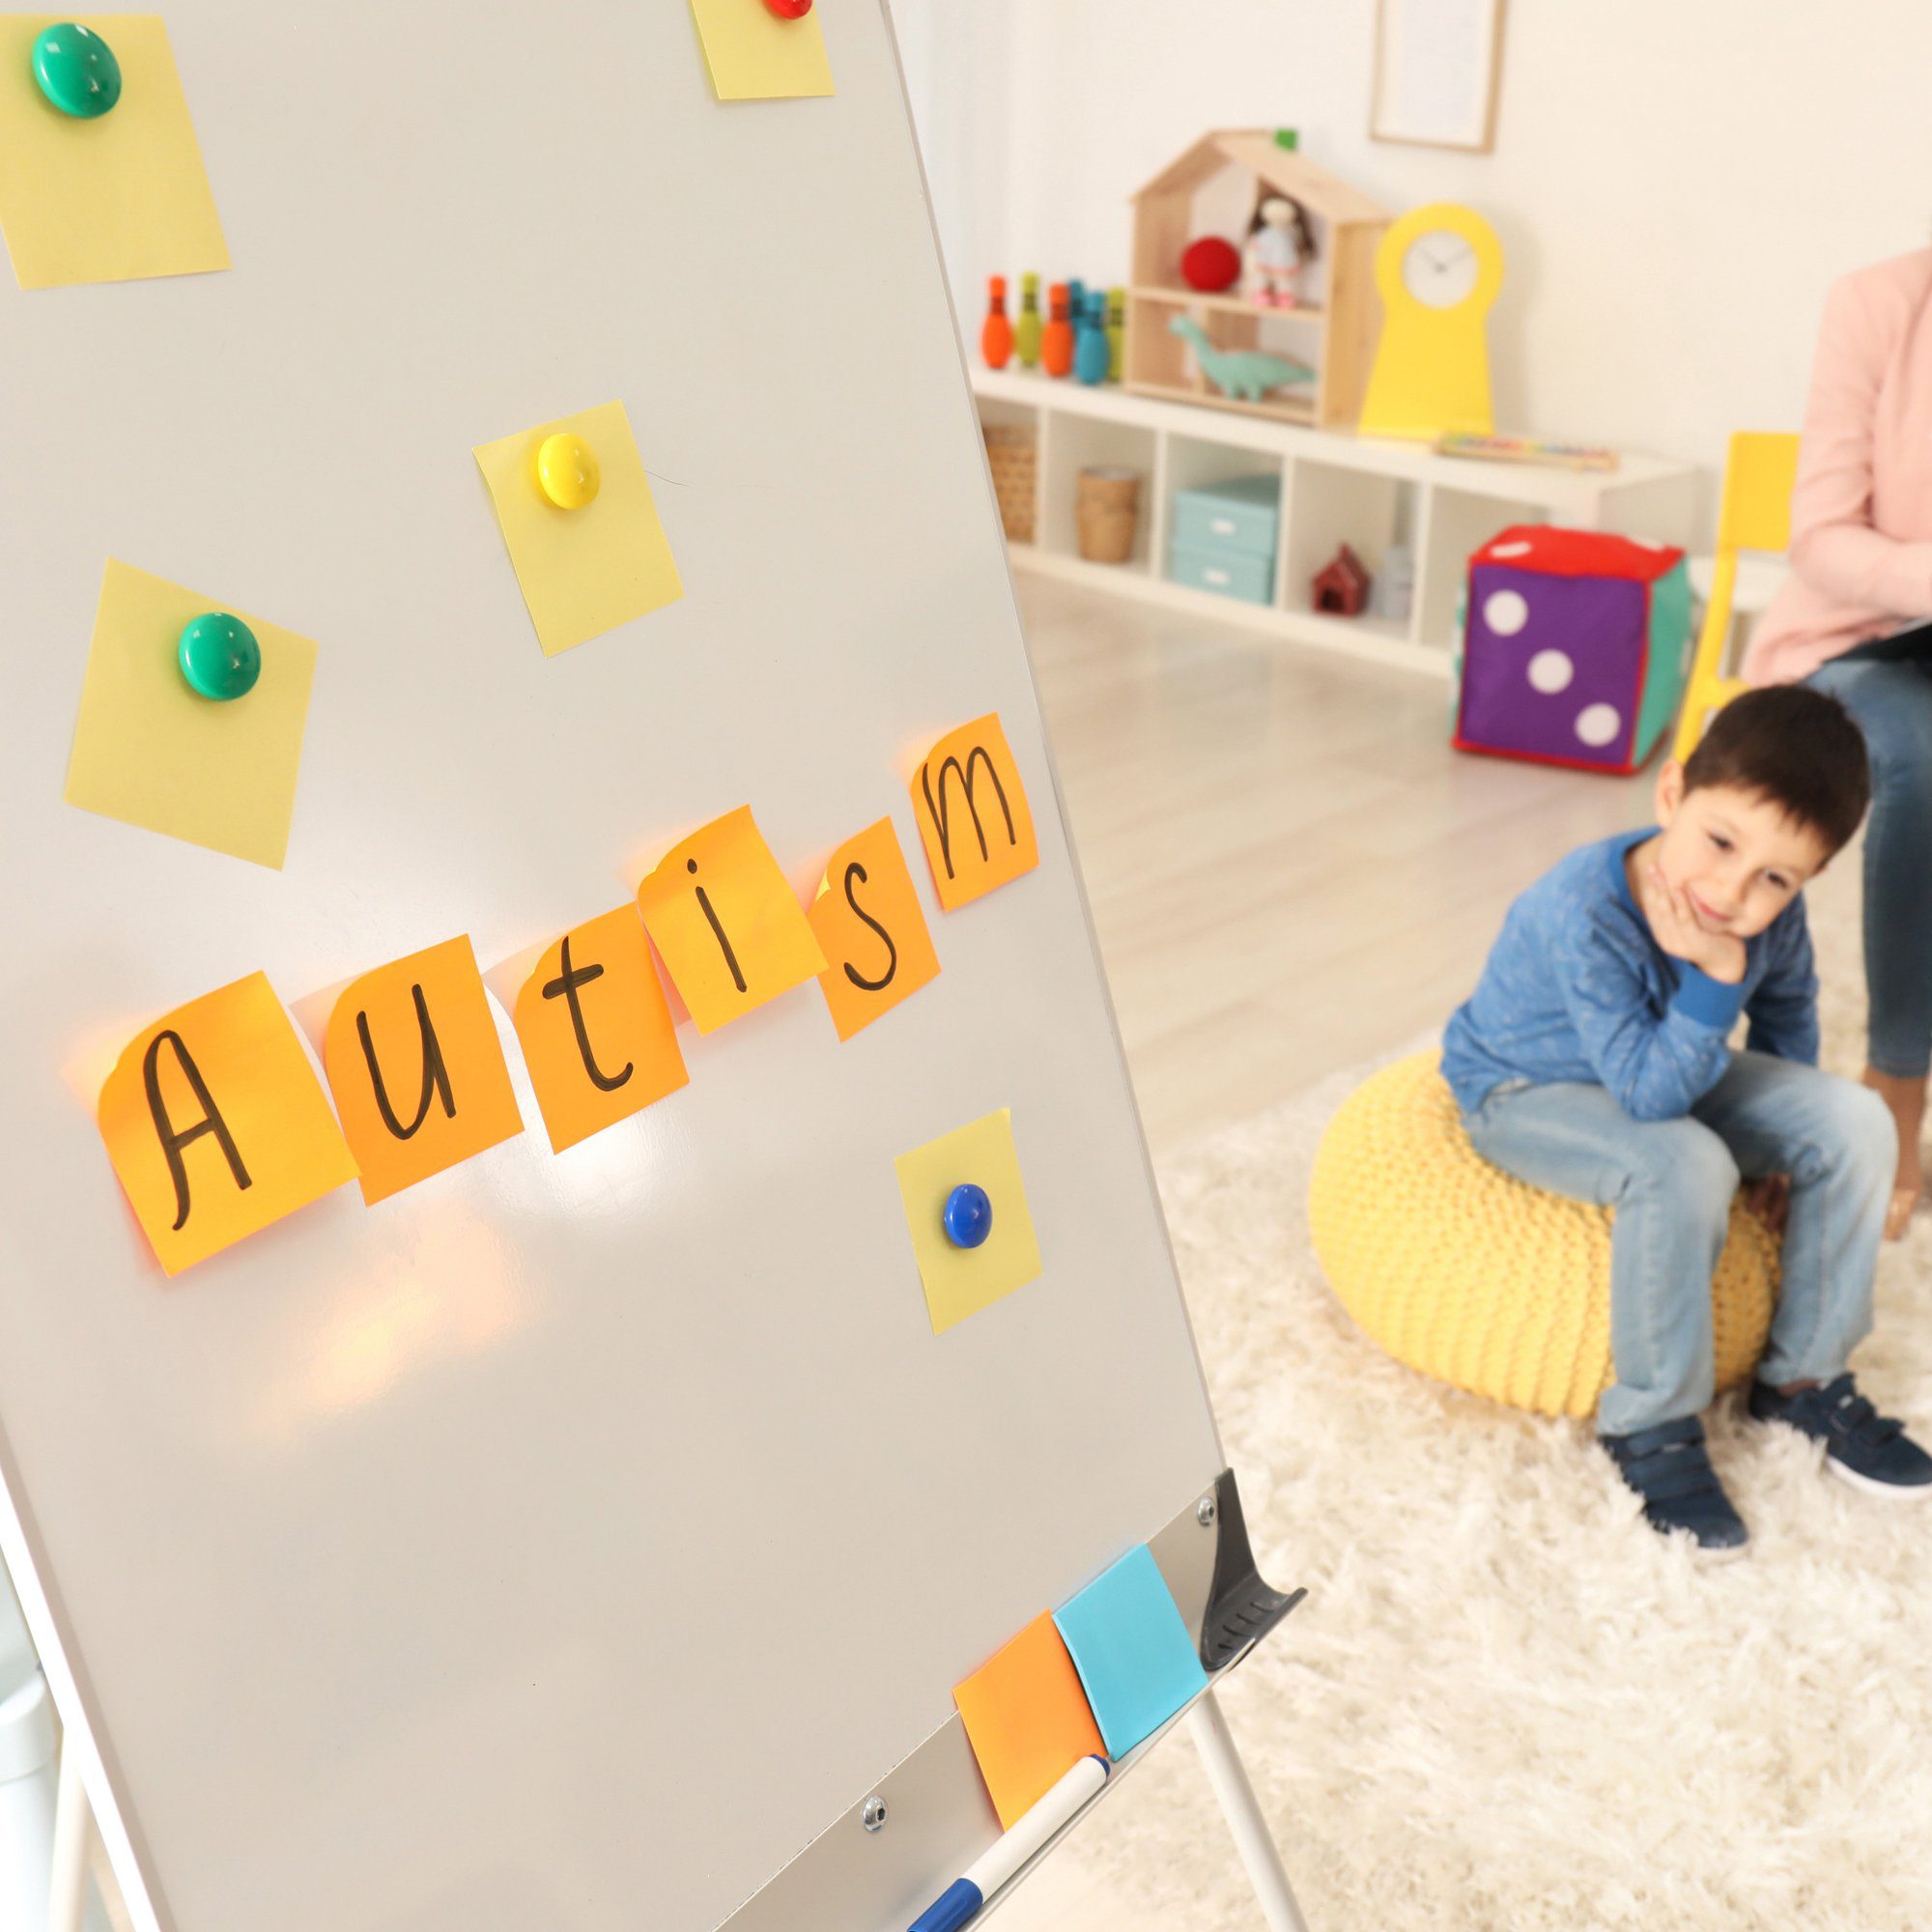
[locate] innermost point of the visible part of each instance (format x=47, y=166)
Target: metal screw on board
x=1204, y=1512
x=873, y=1816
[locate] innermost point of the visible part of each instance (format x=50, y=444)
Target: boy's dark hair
x=1794, y=746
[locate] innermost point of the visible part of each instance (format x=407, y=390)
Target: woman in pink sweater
x=1860, y=582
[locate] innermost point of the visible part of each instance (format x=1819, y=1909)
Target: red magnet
x=789, y=10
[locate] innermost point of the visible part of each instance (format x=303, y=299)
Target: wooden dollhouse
x=1217, y=187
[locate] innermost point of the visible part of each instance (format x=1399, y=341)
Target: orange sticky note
x=973, y=816
x=217, y=1125
x=1027, y=1719
x=411, y=1057
x=730, y=929
x=870, y=926
x=597, y=1035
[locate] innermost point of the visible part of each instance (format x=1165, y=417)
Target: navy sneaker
x=1670, y=1467
x=1869, y=1450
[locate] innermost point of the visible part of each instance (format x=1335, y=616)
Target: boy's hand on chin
x=1769, y=1199
x=1674, y=925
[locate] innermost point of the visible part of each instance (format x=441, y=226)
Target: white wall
x=1675, y=180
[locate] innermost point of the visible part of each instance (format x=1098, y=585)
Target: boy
x=1592, y=1061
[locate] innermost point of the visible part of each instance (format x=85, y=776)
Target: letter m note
x=973, y=816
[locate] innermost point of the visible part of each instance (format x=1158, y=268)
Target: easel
x=1220, y=1757
x=1239, y=1611
x=73, y=1832
x=37, y=1879
x=350, y=1378
x=876, y=1867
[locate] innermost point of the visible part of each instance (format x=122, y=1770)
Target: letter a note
x=217, y=1125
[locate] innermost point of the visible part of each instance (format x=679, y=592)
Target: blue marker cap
x=954, y=1908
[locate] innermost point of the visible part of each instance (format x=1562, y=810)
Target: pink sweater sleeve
x=1834, y=547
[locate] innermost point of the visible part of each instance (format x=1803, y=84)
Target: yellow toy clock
x=1438, y=270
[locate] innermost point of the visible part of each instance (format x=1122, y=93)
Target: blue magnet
x=968, y=1216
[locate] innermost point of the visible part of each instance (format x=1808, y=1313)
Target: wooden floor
x=1290, y=869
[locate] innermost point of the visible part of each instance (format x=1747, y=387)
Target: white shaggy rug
x=1508, y=1705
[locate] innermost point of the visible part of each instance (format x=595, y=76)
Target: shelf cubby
x=1076, y=444
x=1338, y=487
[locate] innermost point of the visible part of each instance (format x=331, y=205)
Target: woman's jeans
x=1671, y=1183
x=1893, y=703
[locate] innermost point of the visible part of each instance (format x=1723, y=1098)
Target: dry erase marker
x=964, y=1896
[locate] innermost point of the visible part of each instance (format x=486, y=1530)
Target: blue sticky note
x=1135, y=1658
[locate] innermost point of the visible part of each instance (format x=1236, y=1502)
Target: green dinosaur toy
x=1247, y=375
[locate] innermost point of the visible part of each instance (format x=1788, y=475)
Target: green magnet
x=76, y=70
x=219, y=657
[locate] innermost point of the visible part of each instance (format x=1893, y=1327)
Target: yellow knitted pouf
x=1478, y=1279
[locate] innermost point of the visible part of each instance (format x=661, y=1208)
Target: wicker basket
x=1107, y=513
x=1011, y=449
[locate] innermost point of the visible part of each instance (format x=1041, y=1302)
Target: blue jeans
x=1892, y=705
x=1671, y=1183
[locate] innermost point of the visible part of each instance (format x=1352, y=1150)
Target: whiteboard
x=564, y=1542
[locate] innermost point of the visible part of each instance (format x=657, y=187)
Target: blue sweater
x=1577, y=989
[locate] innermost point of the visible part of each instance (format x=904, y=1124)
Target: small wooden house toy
x=1217, y=188
x=1341, y=586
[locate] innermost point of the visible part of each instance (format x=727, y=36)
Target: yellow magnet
x=567, y=472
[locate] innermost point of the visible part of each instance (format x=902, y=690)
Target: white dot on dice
x=1550, y=671
x=1505, y=613
x=1599, y=724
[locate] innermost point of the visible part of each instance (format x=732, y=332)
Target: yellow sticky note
x=148, y=749
x=756, y=55
x=961, y=1281
x=113, y=199
x=583, y=571
x=411, y=1057
x=730, y=931
x=870, y=926
x=597, y=1035
x=973, y=816
x=217, y=1125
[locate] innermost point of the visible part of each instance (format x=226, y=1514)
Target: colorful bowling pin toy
x=1117, y=333
x=996, y=335
x=1092, y=355
x=1056, y=342
x=1027, y=331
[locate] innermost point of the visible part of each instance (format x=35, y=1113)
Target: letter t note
x=566, y=987
x=599, y=973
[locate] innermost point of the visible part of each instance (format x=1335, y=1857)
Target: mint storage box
x=1242, y=514
x=1223, y=537
x=1231, y=573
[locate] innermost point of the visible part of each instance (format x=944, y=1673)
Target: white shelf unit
x=1336, y=487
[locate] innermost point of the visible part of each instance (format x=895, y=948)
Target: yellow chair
x=1759, y=474
x=1470, y=1275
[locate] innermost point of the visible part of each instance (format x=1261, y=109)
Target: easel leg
x=1228, y=1776
x=73, y=1826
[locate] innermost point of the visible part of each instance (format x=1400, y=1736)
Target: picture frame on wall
x=1438, y=73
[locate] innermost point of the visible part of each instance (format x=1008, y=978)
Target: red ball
x=1210, y=264
x=789, y=10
